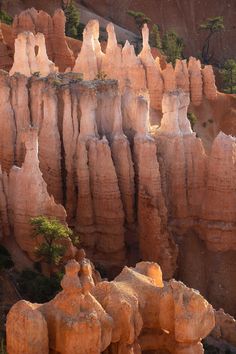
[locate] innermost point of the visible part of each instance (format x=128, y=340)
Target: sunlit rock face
x=133, y=313
x=26, y=62
x=195, y=75
x=131, y=188
x=28, y=196
x=140, y=72
x=53, y=29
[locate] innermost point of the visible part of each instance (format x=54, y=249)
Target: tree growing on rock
x=228, y=73
x=211, y=26
x=172, y=45
x=155, y=37
x=53, y=233
x=72, y=14
x=140, y=19
x=5, y=18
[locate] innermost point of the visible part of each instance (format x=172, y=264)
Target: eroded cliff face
x=135, y=312
x=130, y=189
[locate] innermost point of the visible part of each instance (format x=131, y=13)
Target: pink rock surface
x=194, y=68
x=7, y=125
x=53, y=29
x=126, y=186
x=28, y=196
x=117, y=315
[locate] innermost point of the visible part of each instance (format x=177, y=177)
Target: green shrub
x=101, y=75
x=72, y=14
x=53, y=232
x=155, y=38
x=3, y=349
x=80, y=30
x=192, y=118
x=228, y=73
x=4, y=17
x=140, y=18
x=172, y=45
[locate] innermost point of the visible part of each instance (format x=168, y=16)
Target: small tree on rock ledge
x=211, y=26
x=72, y=14
x=51, y=250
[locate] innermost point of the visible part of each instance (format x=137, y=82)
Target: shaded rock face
x=133, y=313
x=5, y=53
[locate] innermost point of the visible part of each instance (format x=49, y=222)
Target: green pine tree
x=228, y=73
x=72, y=14
x=4, y=17
x=173, y=46
x=51, y=250
x=140, y=18
x=211, y=26
x=155, y=38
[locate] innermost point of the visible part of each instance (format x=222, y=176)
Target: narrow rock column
x=70, y=132
x=20, y=105
x=93, y=26
x=112, y=60
x=154, y=239
x=50, y=144
x=86, y=62
x=121, y=155
x=219, y=205
x=209, y=86
x=153, y=73
x=108, y=209
x=194, y=68
x=7, y=125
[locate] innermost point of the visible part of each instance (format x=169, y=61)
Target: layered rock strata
x=135, y=312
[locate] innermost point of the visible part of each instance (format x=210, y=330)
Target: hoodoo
x=102, y=141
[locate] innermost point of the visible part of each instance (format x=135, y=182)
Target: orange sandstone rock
x=194, y=68
x=53, y=29
x=117, y=315
x=209, y=86
x=28, y=196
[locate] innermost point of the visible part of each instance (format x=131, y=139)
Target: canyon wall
x=118, y=160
